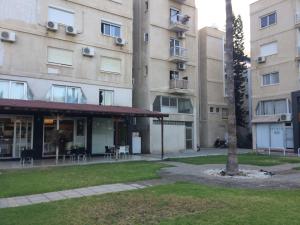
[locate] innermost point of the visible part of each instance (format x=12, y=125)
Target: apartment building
x=165, y=71
x=275, y=41
x=60, y=60
x=213, y=106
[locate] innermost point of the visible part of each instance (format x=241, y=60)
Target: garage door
x=263, y=135
x=277, y=136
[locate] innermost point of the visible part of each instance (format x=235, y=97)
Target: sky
x=212, y=13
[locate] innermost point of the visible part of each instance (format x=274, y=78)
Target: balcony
x=178, y=86
x=179, y=23
x=297, y=20
x=178, y=54
x=180, y=1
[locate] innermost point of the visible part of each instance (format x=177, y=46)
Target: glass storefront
x=15, y=135
x=71, y=133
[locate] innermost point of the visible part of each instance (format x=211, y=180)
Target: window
x=146, y=37
x=168, y=104
x=272, y=107
x=60, y=56
x=110, y=29
x=61, y=16
x=185, y=106
x=269, y=49
x=268, y=20
x=211, y=109
x=106, y=97
x=224, y=113
x=174, y=15
x=66, y=94
x=270, y=79
x=110, y=65
x=174, y=75
x=217, y=110
x=146, y=5
x=14, y=90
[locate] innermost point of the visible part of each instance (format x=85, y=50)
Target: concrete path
x=77, y=193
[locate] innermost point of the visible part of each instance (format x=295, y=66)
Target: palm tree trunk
x=232, y=161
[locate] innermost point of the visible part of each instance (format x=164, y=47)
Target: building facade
x=71, y=52
x=275, y=45
x=165, y=71
x=213, y=106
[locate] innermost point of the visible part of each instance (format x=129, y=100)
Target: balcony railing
x=179, y=23
x=178, y=54
x=179, y=84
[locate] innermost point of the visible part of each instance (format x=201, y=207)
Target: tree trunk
x=232, y=161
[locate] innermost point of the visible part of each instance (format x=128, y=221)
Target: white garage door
x=270, y=135
x=277, y=135
x=262, y=135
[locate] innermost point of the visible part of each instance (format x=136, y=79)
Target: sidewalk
x=77, y=193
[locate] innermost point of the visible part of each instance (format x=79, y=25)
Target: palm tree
x=232, y=167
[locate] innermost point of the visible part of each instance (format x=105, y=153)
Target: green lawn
x=177, y=204
x=34, y=181
x=249, y=159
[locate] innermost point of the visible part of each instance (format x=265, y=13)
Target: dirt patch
x=128, y=209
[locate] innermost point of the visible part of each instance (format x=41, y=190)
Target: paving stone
x=54, y=196
x=38, y=199
x=71, y=194
x=3, y=203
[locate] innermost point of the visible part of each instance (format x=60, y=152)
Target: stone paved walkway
x=77, y=193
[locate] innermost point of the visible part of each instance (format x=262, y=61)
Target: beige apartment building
x=213, y=106
x=60, y=60
x=166, y=72
x=275, y=41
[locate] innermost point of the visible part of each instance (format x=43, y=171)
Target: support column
x=162, y=137
x=38, y=130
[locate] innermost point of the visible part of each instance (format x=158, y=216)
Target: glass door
x=23, y=136
x=189, y=135
x=6, y=137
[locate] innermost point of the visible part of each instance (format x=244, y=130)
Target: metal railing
x=178, y=52
x=179, y=19
x=179, y=84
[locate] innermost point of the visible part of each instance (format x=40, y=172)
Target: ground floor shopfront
x=25, y=126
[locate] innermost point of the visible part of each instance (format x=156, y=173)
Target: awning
x=44, y=106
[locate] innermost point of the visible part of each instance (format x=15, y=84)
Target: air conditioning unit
x=261, y=59
x=181, y=66
x=181, y=35
x=88, y=51
x=285, y=117
x=52, y=26
x=120, y=41
x=70, y=30
x=8, y=36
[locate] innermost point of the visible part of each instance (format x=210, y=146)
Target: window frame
x=10, y=94
x=111, y=24
x=107, y=71
x=103, y=96
x=260, y=47
x=66, y=94
x=63, y=10
x=270, y=74
x=259, y=111
x=268, y=20
x=60, y=64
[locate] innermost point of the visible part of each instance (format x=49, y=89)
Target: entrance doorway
x=189, y=135
x=72, y=133
x=15, y=135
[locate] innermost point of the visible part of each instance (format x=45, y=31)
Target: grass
x=249, y=159
x=176, y=204
x=34, y=181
